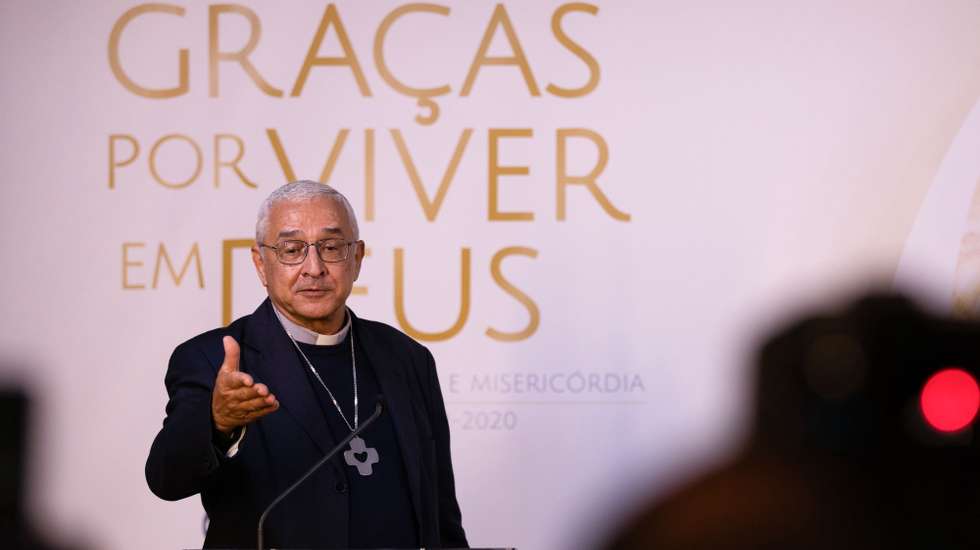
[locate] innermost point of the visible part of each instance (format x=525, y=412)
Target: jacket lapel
x=394, y=387
x=273, y=361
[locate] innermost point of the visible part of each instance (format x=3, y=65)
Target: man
x=254, y=405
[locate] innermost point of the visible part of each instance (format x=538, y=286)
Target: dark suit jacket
x=279, y=448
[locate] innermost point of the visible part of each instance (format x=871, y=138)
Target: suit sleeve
x=183, y=457
x=450, y=519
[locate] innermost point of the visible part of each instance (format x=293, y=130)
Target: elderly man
x=254, y=405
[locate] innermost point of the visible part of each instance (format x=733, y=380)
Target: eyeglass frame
x=306, y=250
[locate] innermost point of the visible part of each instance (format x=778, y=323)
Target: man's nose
x=313, y=265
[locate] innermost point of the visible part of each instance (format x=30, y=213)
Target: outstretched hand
x=237, y=399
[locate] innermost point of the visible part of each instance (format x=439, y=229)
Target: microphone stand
x=377, y=412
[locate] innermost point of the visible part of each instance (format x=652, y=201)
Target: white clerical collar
x=307, y=336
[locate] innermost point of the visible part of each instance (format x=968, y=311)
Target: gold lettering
x=338, y=144
x=500, y=18
x=464, y=307
x=330, y=16
x=227, y=247
x=532, y=309
x=241, y=56
x=369, y=175
x=112, y=155
x=576, y=49
x=194, y=255
x=379, y=59
x=280, y=151
x=589, y=180
x=233, y=164
x=127, y=263
x=431, y=207
x=153, y=162
x=183, y=82
x=495, y=171
x=287, y=167
x=432, y=111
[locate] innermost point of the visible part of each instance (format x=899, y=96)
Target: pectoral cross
x=361, y=456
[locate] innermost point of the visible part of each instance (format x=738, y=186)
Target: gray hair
x=300, y=191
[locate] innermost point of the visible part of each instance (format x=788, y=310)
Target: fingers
x=239, y=413
x=232, y=354
x=242, y=399
x=228, y=380
x=242, y=393
x=244, y=416
x=234, y=413
x=237, y=398
x=260, y=404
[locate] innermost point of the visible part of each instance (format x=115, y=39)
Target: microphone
x=378, y=409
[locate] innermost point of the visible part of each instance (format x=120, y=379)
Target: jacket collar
x=274, y=362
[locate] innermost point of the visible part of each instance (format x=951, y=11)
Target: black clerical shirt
x=381, y=514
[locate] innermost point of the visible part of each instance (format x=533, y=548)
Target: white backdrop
x=751, y=158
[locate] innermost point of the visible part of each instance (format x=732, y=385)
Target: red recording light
x=950, y=400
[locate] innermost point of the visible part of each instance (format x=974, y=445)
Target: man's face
x=313, y=292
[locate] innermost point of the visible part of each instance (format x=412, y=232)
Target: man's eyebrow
x=297, y=232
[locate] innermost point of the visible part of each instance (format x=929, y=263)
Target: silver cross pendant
x=361, y=456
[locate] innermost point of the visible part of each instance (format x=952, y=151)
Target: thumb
x=232, y=353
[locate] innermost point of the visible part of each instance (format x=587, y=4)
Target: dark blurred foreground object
x=13, y=440
x=863, y=437
x=17, y=531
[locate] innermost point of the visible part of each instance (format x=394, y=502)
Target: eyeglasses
x=294, y=252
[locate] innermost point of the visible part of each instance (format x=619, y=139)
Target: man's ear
x=259, y=262
x=358, y=257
